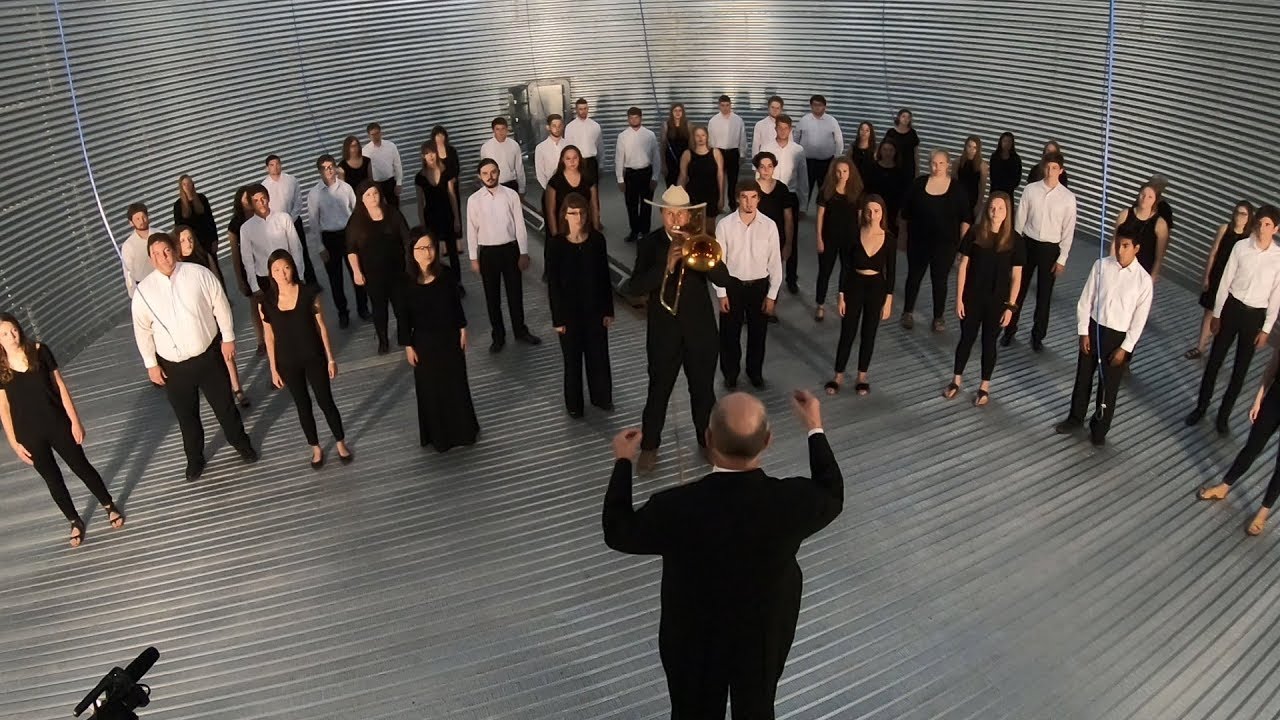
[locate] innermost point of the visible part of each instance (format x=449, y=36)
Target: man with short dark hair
x=384, y=164
x=329, y=207
x=731, y=586
x=726, y=133
x=133, y=251
x=264, y=233
x=765, y=130
x=791, y=170
x=286, y=197
x=752, y=254
x=820, y=135
x=505, y=153
x=546, y=160
x=636, y=159
x=499, y=247
x=1036, y=173
x=1046, y=222
x=585, y=134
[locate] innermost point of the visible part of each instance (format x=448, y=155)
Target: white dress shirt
x=765, y=132
x=751, y=252
x=820, y=136
x=494, y=217
x=586, y=136
x=329, y=207
x=508, y=156
x=259, y=238
x=136, y=259
x=1116, y=297
x=286, y=197
x=726, y=132
x=384, y=161
x=178, y=316
x=546, y=158
x=791, y=170
x=1048, y=215
x=1252, y=276
x=636, y=149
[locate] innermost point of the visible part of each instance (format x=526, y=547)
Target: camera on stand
x=123, y=692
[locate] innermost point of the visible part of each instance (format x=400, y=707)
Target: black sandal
x=863, y=388
x=1193, y=354
x=832, y=387
x=111, y=508
x=982, y=399
x=77, y=540
x=951, y=391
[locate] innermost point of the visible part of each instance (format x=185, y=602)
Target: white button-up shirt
x=260, y=237
x=1048, y=215
x=727, y=132
x=820, y=136
x=791, y=170
x=284, y=193
x=384, y=159
x=508, y=156
x=1252, y=276
x=1116, y=297
x=546, y=158
x=329, y=207
x=494, y=217
x=178, y=316
x=751, y=252
x=765, y=132
x=586, y=136
x=636, y=149
x=136, y=259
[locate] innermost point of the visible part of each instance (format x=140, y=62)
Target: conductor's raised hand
x=807, y=408
x=626, y=444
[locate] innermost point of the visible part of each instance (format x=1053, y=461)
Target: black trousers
x=42, y=447
x=864, y=301
x=746, y=307
x=980, y=314
x=732, y=161
x=831, y=251
x=585, y=345
x=1104, y=341
x=335, y=244
x=817, y=175
x=669, y=348
x=500, y=268
x=793, y=262
x=184, y=382
x=1263, y=428
x=388, y=189
x=637, y=188
x=936, y=256
x=315, y=374
x=383, y=292
x=1041, y=257
x=1241, y=325
x=591, y=167
x=308, y=270
x=450, y=248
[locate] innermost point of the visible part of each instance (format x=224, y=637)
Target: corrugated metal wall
x=211, y=88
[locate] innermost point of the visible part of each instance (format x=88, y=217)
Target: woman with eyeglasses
x=1239, y=228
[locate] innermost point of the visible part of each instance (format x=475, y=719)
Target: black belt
x=637, y=170
x=757, y=281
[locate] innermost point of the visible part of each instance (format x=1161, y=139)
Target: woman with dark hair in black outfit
x=436, y=202
x=863, y=149
x=300, y=352
x=190, y=250
x=354, y=167
x=970, y=171
x=193, y=210
x=452, y=170
x=1005, y=167
x=887, y=177
x=777, y=203
x=937, y=214
x=377, y=238
x=866, y=292
x=1240, y=227
x=242, y=210
x=40, y=419
x=837, y=225
x=570, y=177
x=673, y=141
x=904, y=138
x=434, y=336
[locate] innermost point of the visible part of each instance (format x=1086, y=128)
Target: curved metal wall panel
x=211, y=88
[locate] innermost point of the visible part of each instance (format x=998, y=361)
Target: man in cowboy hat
x=687, y=338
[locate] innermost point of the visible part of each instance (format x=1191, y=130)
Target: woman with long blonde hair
x=192, y=209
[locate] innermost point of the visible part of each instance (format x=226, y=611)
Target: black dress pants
x=817, y=175
x=732, y=160
x=670, y=347
x=637, y=187
x=1263, y=428
x=1239, y=324
x=388, y=189
x=184, y=382
x=746, y=307
x=308, y=270
x=935, y=256
x=585, y=345
x=499, y=269
x=864, y=301
x=1041, y=257
x=793, y=262
x=59, y=440
x=1104, y=341
x=316, y=374
x=980, y=314
x=335, y=244
x=383, y=292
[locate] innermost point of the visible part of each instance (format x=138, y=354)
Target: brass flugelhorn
x=701, y=252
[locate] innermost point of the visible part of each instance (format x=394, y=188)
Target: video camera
x=123, y=692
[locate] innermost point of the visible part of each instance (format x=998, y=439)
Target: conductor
x=730, y=582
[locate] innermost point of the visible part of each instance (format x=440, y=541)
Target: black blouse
x=578, y=281
x=773, y=205
x=884, y=261
x=890, y=183
x=381, y=245
x=1004, y=174
x=989, y=274
x=297, y=337
x=906, y=143
x=34, y=399
x=432, y=313
x=839, y=219
x=935, y=219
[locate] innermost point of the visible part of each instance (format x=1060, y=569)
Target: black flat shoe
x=497, y=345
x=1066, y=427
x=606, y=407
x=575, y=414
x=1006, y=340
x=731, y=383
x=1194, y=417
x=529, y=339
x=249, y=455
x=346, y=459
x=1036, y=345
x=757, y=383
x=195, y=469
x=384, y=347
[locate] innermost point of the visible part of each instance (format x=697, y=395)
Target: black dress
x=677, y=143
x=906, y=143
x=890, y=183
x=1218, y=265
x=1144, y=231
x=1004, y=174
x=933, y=236
x=560, y=184
x=435, y=208
x=202, y=223
x=581, y=294
x=970, y=180
x=433, y=321
x=354, y=176
x=703, y=184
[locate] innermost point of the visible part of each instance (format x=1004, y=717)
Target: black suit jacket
x=728, y=544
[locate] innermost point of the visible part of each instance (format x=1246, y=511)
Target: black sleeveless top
x=1145, y=233
x=969, y=178
x=355, y=176
x=704, y=181
x=34, y=399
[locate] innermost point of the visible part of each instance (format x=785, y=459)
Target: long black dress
x=703, y=184
x=433, y=321
x=677, y=143
x=435, y=208
x=202, y=223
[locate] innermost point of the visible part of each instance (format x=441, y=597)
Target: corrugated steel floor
x=983, y=567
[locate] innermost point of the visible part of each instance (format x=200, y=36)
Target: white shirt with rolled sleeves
x=384, y=161
x=546, y=158
x=178, y=316
x=329, y=207
x=286, y=197
x=750, y=252
x=791, y=170
x=586, y=136
x=727, y=132
x=260, y=237
x=1048, y=215
x=1116, y=297
x=1252, y=276
x=765, y=132
x=636, y=149
x=494, y=217
x=508, y=156
x=820, y=136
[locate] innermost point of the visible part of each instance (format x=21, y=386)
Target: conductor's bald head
x=739, y=430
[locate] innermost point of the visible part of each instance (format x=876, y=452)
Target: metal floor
x=983, y=567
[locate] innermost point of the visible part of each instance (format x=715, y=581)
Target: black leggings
x=383, y=292
x=315, y=373
x=863, y=300
x=42, y=449
x=979, y=314
x=1263, y=428
x=827, y=263
x=937, y=261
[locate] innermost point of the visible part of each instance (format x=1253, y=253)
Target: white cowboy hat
x=675, y=197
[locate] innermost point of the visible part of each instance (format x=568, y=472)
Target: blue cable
x=1106, y=174
x=302, y=72
x=653, y=85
